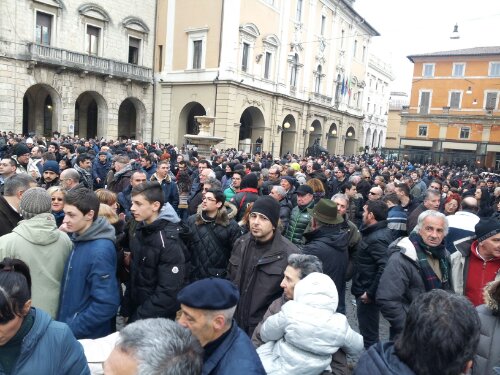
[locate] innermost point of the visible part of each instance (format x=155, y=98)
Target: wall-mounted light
x=311, y=128
x=349, y=134
x=334, y=132
x=474, y=102
x=49, y=106
x=286, y=125
x=469, y=90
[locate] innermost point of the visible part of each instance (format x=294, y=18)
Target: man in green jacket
x=300, y=217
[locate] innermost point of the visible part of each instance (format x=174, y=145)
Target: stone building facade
x=77, y=67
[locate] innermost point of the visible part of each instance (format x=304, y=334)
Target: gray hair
x=430, y=213
x=214, y=183
x=226, y=313
x=306, y=264
x=279, y=189
x=71, y=173
x=429, y=193
x=161, y=347
x=341, y=196
x=14, y=183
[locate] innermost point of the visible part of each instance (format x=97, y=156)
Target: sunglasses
x=372, y=193
x=57, y=199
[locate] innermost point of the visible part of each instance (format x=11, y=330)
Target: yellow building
x=287, y=71
x=453, y=116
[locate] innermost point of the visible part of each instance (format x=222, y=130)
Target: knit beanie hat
x=486, y=228
x=21, y=149
x=269, y=207
x=34, y=201
x=250, y=181
x=51, y=165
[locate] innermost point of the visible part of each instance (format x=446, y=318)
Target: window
x=323, y=22
x=317, y=83
x=355, y=48
x=244, y=57
x=93, y=34
x=294, y=70
x=428, y=70
x=458, y=69
x=342, y=39
x=363, y=57
x=368, y=105
x=134, y=45
x=298, y=11
x=425, y=100
x=197, y=53
x=494, y=69
x=267, y=65
x=464, y=133
x=491, y=101
x=455, y=98
x=43, y=28
x=422, y=130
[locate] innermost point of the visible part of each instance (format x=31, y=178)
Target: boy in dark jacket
x=157, y=269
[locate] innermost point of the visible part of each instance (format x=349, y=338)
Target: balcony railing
x=86, y=63
x=320, y=99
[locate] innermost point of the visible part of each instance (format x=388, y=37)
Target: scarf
x=431, y=281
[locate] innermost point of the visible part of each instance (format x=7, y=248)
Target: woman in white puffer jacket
x=302, y=337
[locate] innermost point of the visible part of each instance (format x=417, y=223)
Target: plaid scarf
x=431, y=281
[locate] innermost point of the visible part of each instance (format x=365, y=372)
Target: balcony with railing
x=320, y=99
x=64, y=59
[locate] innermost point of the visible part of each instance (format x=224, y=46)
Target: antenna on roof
x=454, y=34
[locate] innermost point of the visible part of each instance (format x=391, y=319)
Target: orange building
x=454, y=114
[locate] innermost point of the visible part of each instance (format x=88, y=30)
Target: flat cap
x=210, y=294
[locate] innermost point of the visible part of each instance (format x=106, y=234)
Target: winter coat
x=381, y=359
x=355, y=210
x=335, y=186
x=8, y=217
x=371, y=258
x=329, y=243
x=89, y=295
x=49, y=348
x=170, y=191
x=257, y=271
x=157, y=269
x=119, y=181
x=100, y=170
x=210, y=243
x=400, y=284
x=311, y=314
x=229, y=192
x=413, y=217
x=35, y=241
x=397, y=220
x=487, y=353
x=85, y=177
x=285, y=212
x=125, y=201
x=300, y=218
x=234, y=355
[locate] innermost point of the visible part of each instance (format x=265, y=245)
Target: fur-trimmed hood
x=223, y=217
x=492, y=296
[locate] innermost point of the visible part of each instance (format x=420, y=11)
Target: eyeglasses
x=372, y=193
x=209, y=199
x=57, y=199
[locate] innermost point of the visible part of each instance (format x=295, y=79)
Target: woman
x=484, y=202
x=451, y=204
x=64, y=164
x=30, y=341
x=318, y=189
x=107, y=197
x=57, y=194
x=445, y=190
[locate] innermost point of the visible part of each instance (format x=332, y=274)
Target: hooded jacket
x=89, y=295
x=157, y=270
x=380, y=359
x=311, y=314
x=49, y=348
x=35, y=241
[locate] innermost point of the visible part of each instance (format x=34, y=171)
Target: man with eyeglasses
x=234, y=188
x=273, y=179
x=375, y=193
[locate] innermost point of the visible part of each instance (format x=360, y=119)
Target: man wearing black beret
x=257, y=263
x=207, y=309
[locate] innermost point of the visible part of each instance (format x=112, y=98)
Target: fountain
x=204, y=140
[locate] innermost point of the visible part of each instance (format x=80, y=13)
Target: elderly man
x=197, y=195
x=257, y=262
x=278, y=193
x=207, y=309
x=152, y=346
x=375, y=193
x=119, y=179
x=417, y=264
x=70, y=179
x=432, y=200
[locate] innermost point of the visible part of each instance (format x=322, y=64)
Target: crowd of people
x=145, y=258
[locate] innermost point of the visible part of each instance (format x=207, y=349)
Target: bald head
x=469, y=204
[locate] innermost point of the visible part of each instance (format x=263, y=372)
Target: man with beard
x=83, y=166
x=50, y=176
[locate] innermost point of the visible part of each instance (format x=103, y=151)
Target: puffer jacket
x=34, y=241
x=371, y=258
x=49, y=348
x=157, y=269
x=381, y=359
x=285, y=212
x=89, y=295
x=298, y=223
x=210, y=243
x=487, y=353
x=310, y=315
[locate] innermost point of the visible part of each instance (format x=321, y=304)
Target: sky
x=422, y=26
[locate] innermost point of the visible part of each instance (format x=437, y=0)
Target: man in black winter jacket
x=369, y=265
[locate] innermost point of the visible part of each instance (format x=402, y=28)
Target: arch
x=368, y=138
x=288, y=135
x=139, y=24
x=131, y=117
x=187, y=122
x=271, y=40
x=252, y=128
x=381, y=139
x=91, y=115
x=333, y=136
x=250, y=29
x=350, y=141
x=93, y=10
x=316, y=133
x=374, y=139
x=42, y=108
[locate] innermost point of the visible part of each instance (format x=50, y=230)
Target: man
x=83, y=166
x=90, y=292
x=196, y=177
x=14, y=188
x=207, y=309
x=70, y=179
x=432, y=200
x=168, y=185
x=211, y=237
x=125, y=197
x=396, y=216
x=477, y=261
x=100, y=169
x=257, y=262
x=149, y=166
x=50, y=174
x=328, y=240
x=369, y=266
x=278, y=193
x=35, y=240
x=234, y=188
x=440, y=336
x=407, y=203
x=119, y=179
x=7, y=169
x=338, y=182
x=375, y=193
x=355, y=207
x=462, y=224
x=417, y=186
x=197, y=194
x=272, y=180
x=417, y=264
x=154, y=346
x=21, y=156
x=300, y=217
x=158, y=265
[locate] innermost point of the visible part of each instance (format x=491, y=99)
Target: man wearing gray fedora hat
x=328, y=240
